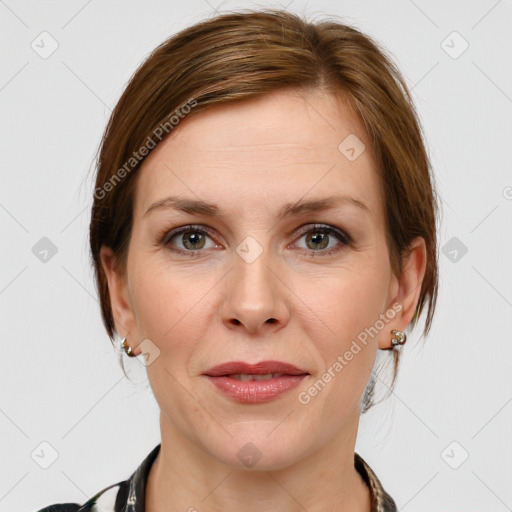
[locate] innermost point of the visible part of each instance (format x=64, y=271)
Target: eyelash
x=166, y=236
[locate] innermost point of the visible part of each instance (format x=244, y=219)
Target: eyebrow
x=292, y=209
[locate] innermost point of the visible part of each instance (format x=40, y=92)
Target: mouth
x=258, y=371
x=257, y=383
x=246, y=377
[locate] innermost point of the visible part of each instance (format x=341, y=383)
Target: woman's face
x=254, y=283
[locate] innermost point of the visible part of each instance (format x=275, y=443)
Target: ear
x=405, y=291
x=122, y=310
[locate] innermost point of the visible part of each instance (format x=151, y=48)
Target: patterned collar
x=129, y=495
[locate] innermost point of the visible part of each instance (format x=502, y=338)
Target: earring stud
x=127, y=349
x=399, y=337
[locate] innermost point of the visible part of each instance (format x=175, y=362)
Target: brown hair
x=244, y=54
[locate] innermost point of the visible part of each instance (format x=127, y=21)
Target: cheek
x=346, y=302
x=347, y=309
x=167, y=303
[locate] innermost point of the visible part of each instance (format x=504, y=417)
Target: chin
x=261, y=451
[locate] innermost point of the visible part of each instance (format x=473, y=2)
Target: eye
x=319, y=236
x=193, y=239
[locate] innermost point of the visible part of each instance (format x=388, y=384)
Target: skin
x=250, y=159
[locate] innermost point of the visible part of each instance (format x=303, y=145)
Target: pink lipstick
x=255, y=383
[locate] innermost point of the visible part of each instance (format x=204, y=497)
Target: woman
x=264, y=222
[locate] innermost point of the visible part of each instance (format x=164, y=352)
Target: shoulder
x=380, y=499
x=115, y=497
x=61, y=507
x=105, y=499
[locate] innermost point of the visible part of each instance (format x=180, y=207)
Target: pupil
x=322, y=240
x=190, y=239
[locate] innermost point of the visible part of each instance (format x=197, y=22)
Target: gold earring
x=127, y=349
x=399, y=338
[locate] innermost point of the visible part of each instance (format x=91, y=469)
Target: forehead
x=276, y=148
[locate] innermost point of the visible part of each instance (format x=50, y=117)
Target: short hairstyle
x=250, y=53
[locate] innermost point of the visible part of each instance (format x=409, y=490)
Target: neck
x=185, y=477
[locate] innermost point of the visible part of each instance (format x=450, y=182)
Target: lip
x=255, y=391
x=261, y=368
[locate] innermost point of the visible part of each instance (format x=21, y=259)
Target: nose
x=255, y=295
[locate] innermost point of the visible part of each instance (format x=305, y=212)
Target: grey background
x=59, y=378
